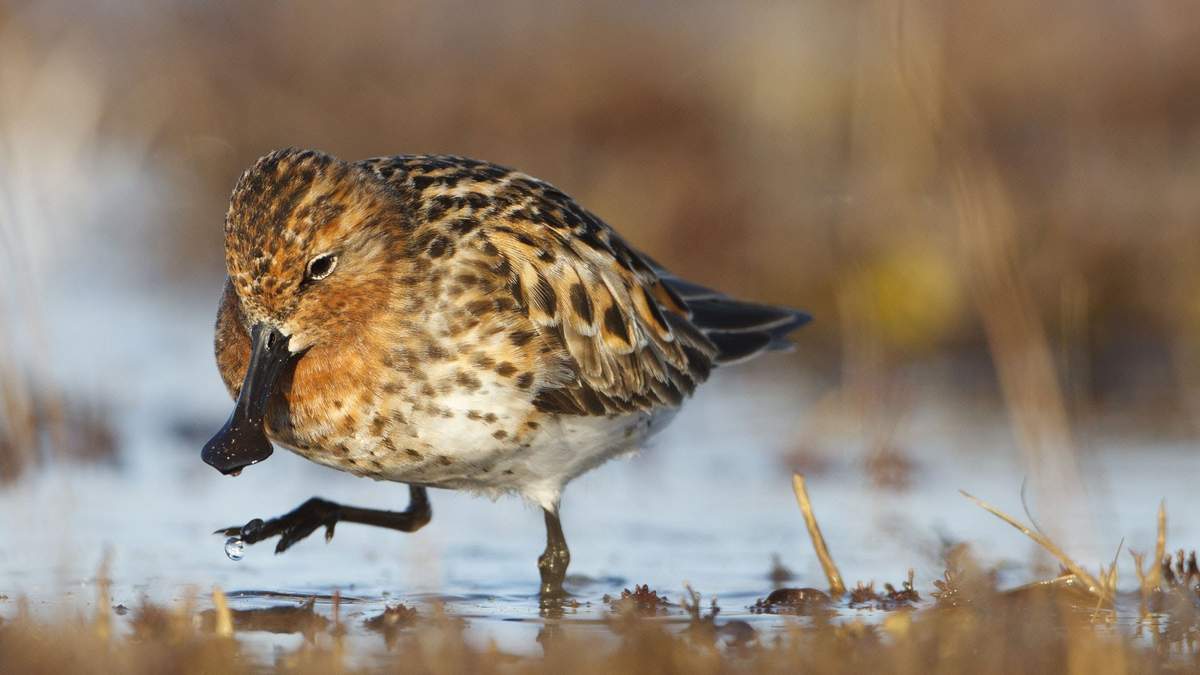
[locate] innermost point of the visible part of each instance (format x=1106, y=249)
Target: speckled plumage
x=480, y=331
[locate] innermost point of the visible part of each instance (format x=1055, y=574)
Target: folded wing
x=635, y=336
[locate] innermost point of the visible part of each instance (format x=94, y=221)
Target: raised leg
x=301, y=521
x=554, y=560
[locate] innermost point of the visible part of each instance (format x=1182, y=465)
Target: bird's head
x=310, y=247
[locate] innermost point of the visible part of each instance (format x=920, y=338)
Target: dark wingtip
x=726, y=315
x=738, y=345
x=735, y=347
x=797, y=320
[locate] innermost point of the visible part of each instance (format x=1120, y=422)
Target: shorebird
x=446, y=322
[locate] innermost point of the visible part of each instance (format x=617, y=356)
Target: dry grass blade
x=1150, y=579
x=1154, y=576
x=836, y=587
x=224, y=624
x=1093, y=586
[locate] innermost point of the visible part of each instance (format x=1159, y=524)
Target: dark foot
x=554, y=561
x=316, y=512
x=292, y=526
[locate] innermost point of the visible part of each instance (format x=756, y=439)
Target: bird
x=446, y=322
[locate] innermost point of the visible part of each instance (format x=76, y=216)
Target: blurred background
x=991, y=208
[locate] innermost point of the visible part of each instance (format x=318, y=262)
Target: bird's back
x=621, y=333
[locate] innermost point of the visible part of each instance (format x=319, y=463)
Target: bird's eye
x=321, y=266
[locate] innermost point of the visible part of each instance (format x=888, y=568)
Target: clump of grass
x=703, y=629
x=1180, y=574
x=865, y=595
x=963, y=580
x=641, y=601
x=392, y=620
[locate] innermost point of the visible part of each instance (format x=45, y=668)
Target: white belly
x=570, y=447
x=538, y=465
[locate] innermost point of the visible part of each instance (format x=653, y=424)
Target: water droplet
x=235, y=548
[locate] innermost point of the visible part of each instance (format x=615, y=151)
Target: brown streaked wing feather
x=625, y=336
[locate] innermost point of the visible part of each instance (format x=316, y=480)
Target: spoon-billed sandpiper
x=445, y=322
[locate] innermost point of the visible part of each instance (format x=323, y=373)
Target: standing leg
x=554, y=560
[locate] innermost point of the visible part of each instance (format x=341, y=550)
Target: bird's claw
x=248, y=532
x=290, y=527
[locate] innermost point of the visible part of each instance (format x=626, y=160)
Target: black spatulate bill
x=243, y=440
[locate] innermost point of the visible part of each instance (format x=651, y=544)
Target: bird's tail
x=740, y=330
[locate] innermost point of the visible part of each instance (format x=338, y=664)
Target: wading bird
x=445, y=322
